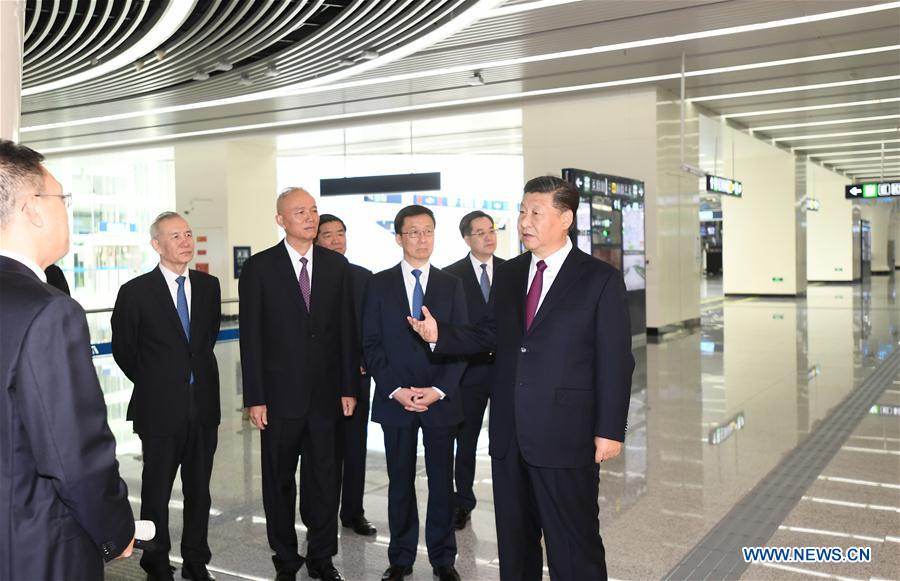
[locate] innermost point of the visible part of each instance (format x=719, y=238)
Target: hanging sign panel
x=872, y=190
x=720, y=185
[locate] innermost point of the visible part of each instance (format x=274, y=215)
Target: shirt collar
x=32, y=265
x=171, y=277
x=407, y=269
x=555, y=260
x=477, y=263
x=296, y=256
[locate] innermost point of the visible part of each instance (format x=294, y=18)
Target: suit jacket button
x=523, y=349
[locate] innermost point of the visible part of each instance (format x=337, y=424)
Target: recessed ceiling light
x=200, y=75
x=368, y=55
x=244, y=80
x=138, y=65
x=347, y=62
x=271, y=70
x=160, y=53
x=223, y=65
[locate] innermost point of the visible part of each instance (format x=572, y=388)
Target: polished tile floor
x=713, y=411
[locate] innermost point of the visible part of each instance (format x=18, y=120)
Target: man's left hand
x=425, y=396
x=606, y=449
x=348, y=404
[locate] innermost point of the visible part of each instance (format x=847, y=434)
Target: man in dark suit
x=415, y=389
x=63, y=507
x=560, y=330
x=353, y=431
x=57, y=279
x=164, y=328
x=476, y=271
x=300, y=363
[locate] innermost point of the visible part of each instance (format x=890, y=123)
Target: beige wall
x=879, y=216
x=829, y=232
x=762, y=231
x=617, y=133
x=226, y=191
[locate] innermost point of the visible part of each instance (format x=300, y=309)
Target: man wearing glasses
x=476, y=271
x=63, y=506
x=415, y=389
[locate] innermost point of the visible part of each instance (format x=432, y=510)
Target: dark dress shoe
x=462, y=517
x=446, y=573
x=323, y=569
x=361, y=526
x=396, y=572
x=286, y=576
x=197, y=572
x=167, y=574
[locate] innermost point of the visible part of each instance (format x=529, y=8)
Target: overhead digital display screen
x=872, y=190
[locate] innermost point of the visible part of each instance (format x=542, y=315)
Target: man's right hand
x=407, y=398
x=259, y=416
x=128, y=550
x=426, y=328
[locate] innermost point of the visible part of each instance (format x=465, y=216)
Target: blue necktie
x=418, y=296
x=182, y=307
x=485, y=283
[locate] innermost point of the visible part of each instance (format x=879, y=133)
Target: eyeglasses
x=416, y=234
x=66, y=198
x=483, y=233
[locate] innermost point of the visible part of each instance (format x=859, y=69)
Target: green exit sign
x=777, y=279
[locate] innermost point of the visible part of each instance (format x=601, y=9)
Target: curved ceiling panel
x=221, y=48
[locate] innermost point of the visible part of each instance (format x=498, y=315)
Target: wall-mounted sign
x=720, y=185
x=721, y=433
x=241, y=254
x=872, y=190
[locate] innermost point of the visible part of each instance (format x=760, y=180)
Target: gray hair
x=20, y=167
x=287, y=192
x=154, y=227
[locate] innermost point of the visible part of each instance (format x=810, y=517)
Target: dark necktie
x=534, y=294
x=182, y=306
x=485, y=283
x=418, y=296
x=304, y=281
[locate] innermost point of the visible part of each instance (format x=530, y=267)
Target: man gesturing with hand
x=558, y=325
x=415, y=389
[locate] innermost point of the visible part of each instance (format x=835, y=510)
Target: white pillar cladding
x=617, y=132
x=829, y=230
x=763, y=242
x=226, y=190
x=878, y=213
x=12, y=32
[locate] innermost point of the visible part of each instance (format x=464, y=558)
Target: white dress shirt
x=172, y=283
x=409, y=282
x=554, y=263
x=476, y=265
x=32, y=265
x=295, y=262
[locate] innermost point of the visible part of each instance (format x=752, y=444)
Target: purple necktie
x=534, y=294
x=304, y=281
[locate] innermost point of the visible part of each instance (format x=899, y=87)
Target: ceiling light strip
x=811, y=108
x=841, y=134
x=828, y=122
x=852, y=144
x=796, y=88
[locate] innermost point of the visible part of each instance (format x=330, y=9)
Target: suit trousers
x=562, y=504
x=353, y=434
x=403, y=515
x=474, y=399
x=311, y=441
x=192, y=448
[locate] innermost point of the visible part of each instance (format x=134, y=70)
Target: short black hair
x=409, y=212
x=465, y=225
x=20, y=166
x=565, y=195
x=326, y=218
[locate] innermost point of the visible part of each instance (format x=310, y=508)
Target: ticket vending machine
x=610, y=226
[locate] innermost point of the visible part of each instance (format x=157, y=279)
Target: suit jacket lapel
x=520, y=284
x=568, y=274
x=197, y=298
x=400, y=290
x=164, y=297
